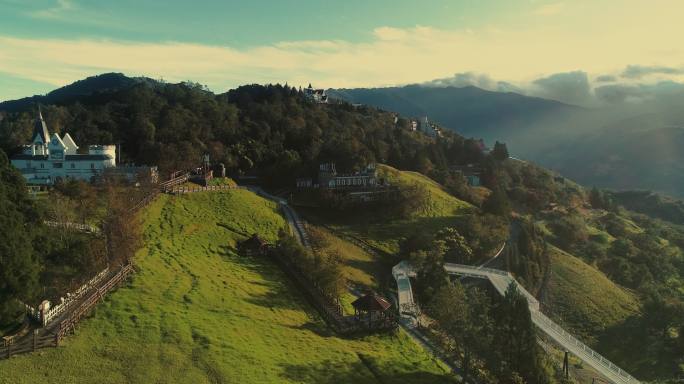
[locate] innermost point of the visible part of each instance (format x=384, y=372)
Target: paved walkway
x=501, y=280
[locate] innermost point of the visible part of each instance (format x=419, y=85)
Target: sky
x=581, y=52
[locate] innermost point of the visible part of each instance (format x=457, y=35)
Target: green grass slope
x=583, y=298
x=441, y=203
x=197, y=312
x=442, y=210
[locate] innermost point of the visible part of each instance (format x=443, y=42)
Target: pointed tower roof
x=40, y=129
x=69, y=142
x=58, y=140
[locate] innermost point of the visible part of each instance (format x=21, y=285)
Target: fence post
x=35, y=339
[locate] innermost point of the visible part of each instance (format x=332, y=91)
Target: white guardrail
x=53, y=312
x=501, y=280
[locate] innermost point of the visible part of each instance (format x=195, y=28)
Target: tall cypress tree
x=518, y=352
x=19, y=266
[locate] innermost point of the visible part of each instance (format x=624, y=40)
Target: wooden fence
x=70, y=323
x=199, y=188
x=51, y=336
x=30, y=343
x=330, y=309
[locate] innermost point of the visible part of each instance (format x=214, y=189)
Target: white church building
x=49, y=159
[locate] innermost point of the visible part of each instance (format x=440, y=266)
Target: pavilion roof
x=372, y=302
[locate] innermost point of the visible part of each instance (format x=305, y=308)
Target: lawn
x=583, y=298
x=197, y=312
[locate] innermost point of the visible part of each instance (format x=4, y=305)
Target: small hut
x=372, y=306
x=254, y=245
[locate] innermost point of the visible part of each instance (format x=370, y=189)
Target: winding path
x=501, y=280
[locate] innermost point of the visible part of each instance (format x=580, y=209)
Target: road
x=501, y=280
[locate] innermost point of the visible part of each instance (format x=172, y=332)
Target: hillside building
x=470, y=172
x=315, y=95
x=428, y=128
x=49, y=159
x=328, y=178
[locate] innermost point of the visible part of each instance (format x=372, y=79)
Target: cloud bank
x=535, y=60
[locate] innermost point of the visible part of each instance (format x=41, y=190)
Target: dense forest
x=271, y=130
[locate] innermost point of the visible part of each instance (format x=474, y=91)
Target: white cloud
x=392, y=56
x=549, y=9
x=57, y=11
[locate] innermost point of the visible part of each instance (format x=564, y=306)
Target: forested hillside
x=272, y=130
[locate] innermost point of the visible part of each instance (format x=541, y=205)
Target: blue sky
x=45, y=44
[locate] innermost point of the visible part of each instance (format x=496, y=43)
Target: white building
x=50, y=158
x=315, y=95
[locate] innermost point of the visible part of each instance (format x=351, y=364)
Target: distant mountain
x=632, y=146
x=107, y=82
x=470, y=111
x=641, y=152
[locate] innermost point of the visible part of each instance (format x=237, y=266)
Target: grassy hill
x=198, y=312
x=583, y=298
x=441, y=203
x=383, y=233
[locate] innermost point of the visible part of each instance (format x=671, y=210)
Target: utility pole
x=566, y=366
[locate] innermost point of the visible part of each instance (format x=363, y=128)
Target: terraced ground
x=198, y=312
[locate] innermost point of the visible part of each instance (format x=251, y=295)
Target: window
x=28, y=164
x=42, y=165
x=57, y=165
x=92, y=165
x=73, y=165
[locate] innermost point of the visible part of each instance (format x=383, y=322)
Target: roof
x=22, y=156
x=56, y=139
x=88, y=157
x=371, y=302
x=69, y=142
x=40, y=129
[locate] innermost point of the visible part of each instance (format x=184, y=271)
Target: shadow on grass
x=320, y=328
x=630, y=346
x=364, y=370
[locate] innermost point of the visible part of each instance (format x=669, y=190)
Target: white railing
x=70, y=225
x=53, y=312
x=584, y=352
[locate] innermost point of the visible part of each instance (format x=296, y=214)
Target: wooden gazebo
x=254, y=245
x=373, y=306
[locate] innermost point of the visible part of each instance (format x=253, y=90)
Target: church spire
x=40, y=129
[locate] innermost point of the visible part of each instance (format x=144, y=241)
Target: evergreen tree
x=497, y=203
x=457, y=248
x=517, y=352
x=500, y=151
x=19, y=266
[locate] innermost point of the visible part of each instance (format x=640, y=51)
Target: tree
x=518, y=352
x=500, y=151
x=457, y=248
x=19, y=264
x=497, y=203
x=449, y=307
x=430, y=276
x=121, y=226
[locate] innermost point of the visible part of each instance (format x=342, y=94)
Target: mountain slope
x=106, y=82
x=470, y=111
